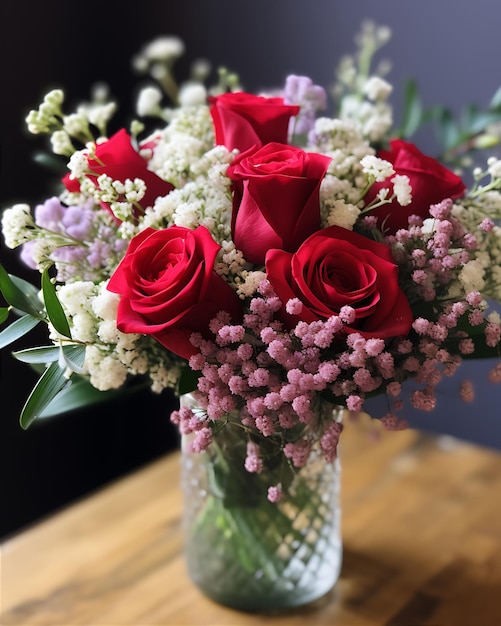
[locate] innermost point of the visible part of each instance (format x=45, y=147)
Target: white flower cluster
x=46, y=117
x=165, y=48
x=484, y=272
x=204, y=201
x=363, y=97
x=111, y=356
x=122, y=197
x=180, y=145
x=377, y=168
x=375, y=119
x=346, y=181
x=17, y=222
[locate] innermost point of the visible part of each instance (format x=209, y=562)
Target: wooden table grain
x=421, y=533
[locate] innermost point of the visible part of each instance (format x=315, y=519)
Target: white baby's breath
x=17, y=224
x=376, y=88
x=148, y=101
x=402, y=189
x=378, y=169
x=192, y=94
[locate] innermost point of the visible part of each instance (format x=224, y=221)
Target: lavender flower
x=310, y=97
x=49, y=215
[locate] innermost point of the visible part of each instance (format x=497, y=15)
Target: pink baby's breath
x=330, y=440
x=486, y=225
x=492, y=334
x=391, y=421
x=467, y=391
x=275, y=493
x=441, y=211
x=253, y=463
x=495, y=374
x=354, y=403
x=298, y=452
x=203, y=439
x=294, y=306
x=347, y=314
x=423, y=400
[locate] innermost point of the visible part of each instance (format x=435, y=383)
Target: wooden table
x=422, y=545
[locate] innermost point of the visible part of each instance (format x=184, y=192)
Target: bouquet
x=271, y=254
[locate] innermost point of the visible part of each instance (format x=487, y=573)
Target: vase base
x=252, y=598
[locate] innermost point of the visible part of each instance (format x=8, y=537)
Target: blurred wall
x=451, y=47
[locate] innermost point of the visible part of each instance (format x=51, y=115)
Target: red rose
x=244, y=121
x=336, y=267
x=276, y=199
x=169, y=288
x=118, y=159
x=431, y=183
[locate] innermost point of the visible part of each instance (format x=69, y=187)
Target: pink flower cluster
x=431, y=253
x=282, y=384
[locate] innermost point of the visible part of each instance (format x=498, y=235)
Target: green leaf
x=53, y=306
x=80, y=393
x=48, y=386
x=74, y=357
x=77, y=394
x=4, y=314
x=496, y=99
x=42, y=354
x=483, y=119
x=51, y=162
x=446, y=127
x=71, y=356
x=187, y=382
x=20, y=294
x=17, y=329
x=32, y=292
x=413, y=110
x=477, y=335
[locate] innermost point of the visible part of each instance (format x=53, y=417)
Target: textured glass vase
x=246, y=552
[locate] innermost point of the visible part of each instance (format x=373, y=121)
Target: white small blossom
x=343, y=214
x=429, y=226
x=122, y=210
x=61, y=143
x=382, y=194
x=164, y=48
x=402, y=189
x=192, y=94
x=107, y=331
x=106, y=372
x=376, y=88
x=134, y=190
x=148, y=101
x=100, y=114
x=17, y=225
x=377, y=168
x=48, y=115
x=105, y=304
x=164, y=377
x=472, y=276
x=249, y=286
x=78, y=163
x=494, y=167
x=76, y=125
x=494, y=317
x=54, y=98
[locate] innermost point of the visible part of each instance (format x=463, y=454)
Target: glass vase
x=249, y=553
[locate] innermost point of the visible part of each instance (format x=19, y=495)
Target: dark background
x=452, y=47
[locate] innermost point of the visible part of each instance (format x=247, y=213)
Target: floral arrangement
x=257, y=251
